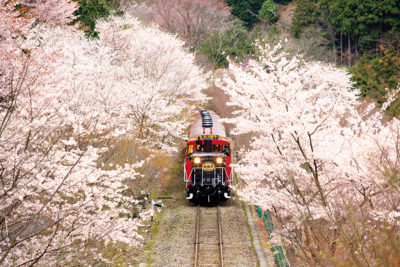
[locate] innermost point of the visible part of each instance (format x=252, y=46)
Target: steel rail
x=220, y=243
x=196, y=243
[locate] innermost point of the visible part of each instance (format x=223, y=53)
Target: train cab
x=208, y=172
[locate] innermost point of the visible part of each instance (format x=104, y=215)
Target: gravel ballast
x=174, y=243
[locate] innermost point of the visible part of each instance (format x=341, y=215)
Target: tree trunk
x=333, y=40
x=341, y=48
x=349, y=47
x=380, y=40
x=356, y=47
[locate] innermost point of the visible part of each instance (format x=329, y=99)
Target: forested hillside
x=96, y=97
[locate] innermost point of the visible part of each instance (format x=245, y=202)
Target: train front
x=208, y=172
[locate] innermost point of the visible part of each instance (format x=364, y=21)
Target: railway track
x=208, y=243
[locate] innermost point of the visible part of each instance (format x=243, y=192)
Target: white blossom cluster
x=316, y=148
x=60, y=92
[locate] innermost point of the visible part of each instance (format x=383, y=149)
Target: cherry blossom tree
x=62, y=97
x=316, y=150
x=31, y=12
x=163, y=74
x=54, y=12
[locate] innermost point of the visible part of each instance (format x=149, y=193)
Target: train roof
x=217, y=129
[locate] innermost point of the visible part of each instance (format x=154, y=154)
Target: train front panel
x=207, y=171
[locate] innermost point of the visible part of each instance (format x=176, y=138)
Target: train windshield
x=205, y=145
x=200, y=147
x=216, y=148
x=225, y=149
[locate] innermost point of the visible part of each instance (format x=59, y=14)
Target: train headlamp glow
x=197, y=160
x=219, y=160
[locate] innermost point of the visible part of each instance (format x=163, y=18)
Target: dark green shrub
x=285, y=2
x=234, y=42
x=373, y=77
x=303, y=16
x=114, y=4
x=246, y=10
x=19, y=6
x=367, y=42
x=269, y=11
x=88, y=12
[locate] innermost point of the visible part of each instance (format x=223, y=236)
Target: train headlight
x=196, y=160
x=220, y=160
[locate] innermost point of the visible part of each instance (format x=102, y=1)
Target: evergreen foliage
x=246, y=10
x=363, y=21
x=235, y=43
x=377, y=77
x=362, y=28
x=114, y=4
x=269, y=11
x=285, y=2
x=304, y=16
x=88, y=12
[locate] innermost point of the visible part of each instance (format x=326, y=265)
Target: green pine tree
x=269, y=11
x=246, y=10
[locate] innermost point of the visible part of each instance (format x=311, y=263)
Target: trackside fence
x=277, y=250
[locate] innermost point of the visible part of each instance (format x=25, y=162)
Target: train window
x=199, y=148
x=216, y=148
x=225, y=149
x=190, y=149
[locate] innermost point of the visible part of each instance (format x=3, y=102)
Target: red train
x=208, y=172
